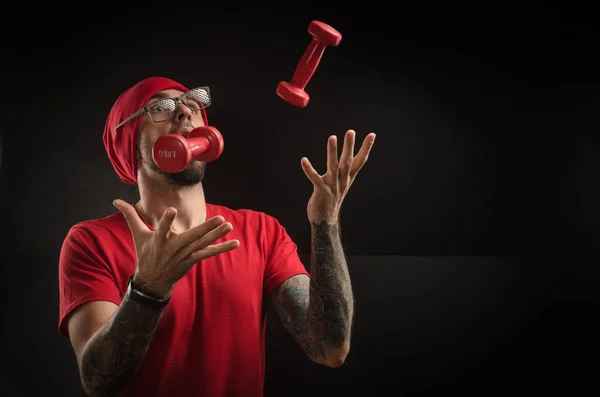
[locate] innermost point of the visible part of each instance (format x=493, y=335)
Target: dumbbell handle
x=308, y=64
x=198, y=145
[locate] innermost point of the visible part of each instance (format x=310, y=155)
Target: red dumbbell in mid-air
x=173, y=152
x=323, y=36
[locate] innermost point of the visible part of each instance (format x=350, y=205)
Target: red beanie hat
x=120, y=145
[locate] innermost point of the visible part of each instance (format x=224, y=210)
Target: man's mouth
x=184, y=131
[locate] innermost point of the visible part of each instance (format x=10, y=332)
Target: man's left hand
x=331, y=188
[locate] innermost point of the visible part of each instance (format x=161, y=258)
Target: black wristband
x=144, y=299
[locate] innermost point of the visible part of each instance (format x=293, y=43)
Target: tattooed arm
x=317, y=311
x=110, y=343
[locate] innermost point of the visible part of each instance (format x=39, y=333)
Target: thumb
x=310, y=172
x=131, y=216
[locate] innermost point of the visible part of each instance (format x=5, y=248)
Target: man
x=168, y=297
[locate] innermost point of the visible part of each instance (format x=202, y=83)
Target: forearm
x=331, y=304
x=113, y=354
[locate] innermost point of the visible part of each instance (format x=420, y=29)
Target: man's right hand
x=164, y=256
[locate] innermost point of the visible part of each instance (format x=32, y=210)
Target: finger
x=207, y=239
x=209, y=251
x=131, y=216
x=197, y=232
x=363, y=154
x=332, y=155
x=165, y=223
x=310, y=172
x=347, y=153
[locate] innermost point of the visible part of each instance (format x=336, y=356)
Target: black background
x=471, y=231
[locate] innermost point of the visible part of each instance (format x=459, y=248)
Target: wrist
x=146, y=298
x=330, y=220
x=151, y=289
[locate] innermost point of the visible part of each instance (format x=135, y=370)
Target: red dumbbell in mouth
x=173, y=153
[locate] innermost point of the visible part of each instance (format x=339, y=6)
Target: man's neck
x=189, y=201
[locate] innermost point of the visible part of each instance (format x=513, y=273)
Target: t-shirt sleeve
x=83, y=275
x=283, y=261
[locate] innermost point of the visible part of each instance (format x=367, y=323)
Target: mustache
x=185, y=124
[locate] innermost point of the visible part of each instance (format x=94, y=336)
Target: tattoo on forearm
x=318, y=311
x=331, y=301
x=113, y=355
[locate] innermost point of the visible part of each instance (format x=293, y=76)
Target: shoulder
x=112, y=226
x=97, y=245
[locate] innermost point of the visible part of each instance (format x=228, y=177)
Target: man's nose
x=182, y=112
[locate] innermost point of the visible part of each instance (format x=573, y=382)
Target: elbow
x=84, y=381
x=89, y=390
x=85, y=371
x=335, y=357
x=334, y=362
x=95, y=384
x=100, y=392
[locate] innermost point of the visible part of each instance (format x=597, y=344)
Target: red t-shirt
x=210, y=340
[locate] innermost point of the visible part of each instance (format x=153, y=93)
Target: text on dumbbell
x=166, y=153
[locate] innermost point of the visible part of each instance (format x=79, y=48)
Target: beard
x=191, y=175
